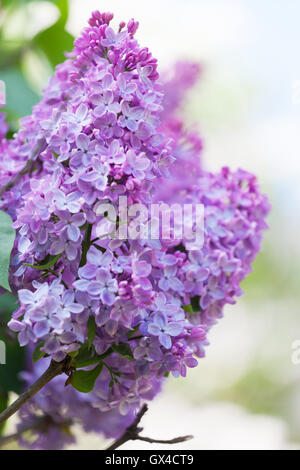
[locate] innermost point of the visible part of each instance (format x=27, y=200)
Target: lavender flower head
x=140, y=309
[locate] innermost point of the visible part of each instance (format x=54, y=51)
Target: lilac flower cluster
x=99, y=133
x=177, y=82
x=235, y=214
x=96, y=136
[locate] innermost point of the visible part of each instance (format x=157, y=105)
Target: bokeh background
x=246, y=105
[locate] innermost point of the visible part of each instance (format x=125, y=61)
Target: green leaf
x=55, y=40
x=15, y=355
x=8, y=304
x=123, y=350
x=63, y=6
x=91, y=326
x=85, y=357
x=133, y=332
x=195, y=302
x=84, y=380
x=188, y=308
x=20, y=98
x=10, y=52
x=7, y=237
x=37, y=353
x=16, y=2
x=194, y=306
x=43, y=267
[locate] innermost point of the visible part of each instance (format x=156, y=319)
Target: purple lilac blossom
x=101, y=132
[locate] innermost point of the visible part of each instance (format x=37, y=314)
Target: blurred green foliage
x=55, y=40
x=48, y=48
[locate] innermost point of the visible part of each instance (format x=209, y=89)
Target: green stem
x=86, y=244
x=54, y=369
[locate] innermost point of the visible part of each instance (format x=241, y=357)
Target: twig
x=132, y=433
x=86, y=244
x=175, y=440
x=54, y=369
x=27, y=168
